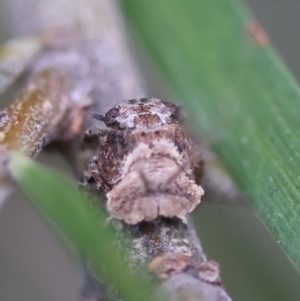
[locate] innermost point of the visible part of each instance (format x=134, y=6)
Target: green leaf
x=240, y=95
x=58, y=198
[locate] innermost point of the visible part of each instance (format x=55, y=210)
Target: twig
x=15, y=56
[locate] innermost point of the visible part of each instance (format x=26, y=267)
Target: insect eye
x=110, y=117
x=176, y=113
x=175, y=110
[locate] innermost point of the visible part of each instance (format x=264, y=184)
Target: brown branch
x=42, y=111
x=90, y=65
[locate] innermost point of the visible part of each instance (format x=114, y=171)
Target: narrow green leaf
x=58, y=198
x=15, y=55
x=240, y=95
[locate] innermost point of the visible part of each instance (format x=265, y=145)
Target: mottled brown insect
x=145, y=162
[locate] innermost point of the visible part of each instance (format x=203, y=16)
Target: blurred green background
x=36, y=266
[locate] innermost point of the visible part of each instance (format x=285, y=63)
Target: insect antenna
x=98, y=116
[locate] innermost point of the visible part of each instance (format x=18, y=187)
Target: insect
x=145, y=162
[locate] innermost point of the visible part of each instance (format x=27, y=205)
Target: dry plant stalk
x=90, y=65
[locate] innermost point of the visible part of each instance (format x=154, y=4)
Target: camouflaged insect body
x=144, y=162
